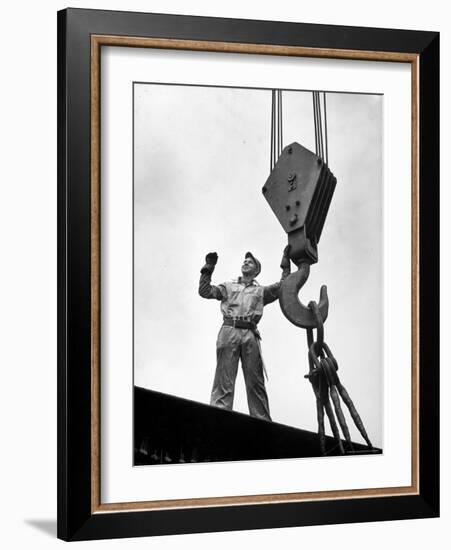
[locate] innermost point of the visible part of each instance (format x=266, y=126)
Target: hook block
x=299, y=190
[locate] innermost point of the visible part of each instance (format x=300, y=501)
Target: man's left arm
x=271, y=292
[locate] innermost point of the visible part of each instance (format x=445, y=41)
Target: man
x=242, y=302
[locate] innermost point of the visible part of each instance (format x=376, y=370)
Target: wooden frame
x=81, y=34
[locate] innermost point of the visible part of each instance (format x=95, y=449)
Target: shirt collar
x=254, y=282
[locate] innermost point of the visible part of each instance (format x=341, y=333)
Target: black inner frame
x=75, y=520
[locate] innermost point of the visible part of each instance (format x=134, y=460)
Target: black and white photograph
x=225, y=230
x=257, y=273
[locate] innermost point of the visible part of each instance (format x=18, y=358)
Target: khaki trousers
x=232, y=345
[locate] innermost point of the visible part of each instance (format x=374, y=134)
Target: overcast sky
x=201, y=156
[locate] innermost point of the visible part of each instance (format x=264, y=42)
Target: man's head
x=251, y=266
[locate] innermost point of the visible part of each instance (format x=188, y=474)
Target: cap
x=256, y=262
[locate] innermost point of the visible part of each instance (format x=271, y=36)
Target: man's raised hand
x=211, y=258
x=210, y=261
x=285, y=263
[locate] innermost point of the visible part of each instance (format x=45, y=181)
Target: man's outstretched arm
x=271, y=292
x=206, y=289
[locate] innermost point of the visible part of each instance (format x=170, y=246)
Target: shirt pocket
x=251, y=301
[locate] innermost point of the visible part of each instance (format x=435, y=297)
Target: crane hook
x=293, y=309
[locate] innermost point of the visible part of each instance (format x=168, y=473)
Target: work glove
x=210, y=261
x=285, y=262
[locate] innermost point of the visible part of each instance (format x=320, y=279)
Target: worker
x=242, y=301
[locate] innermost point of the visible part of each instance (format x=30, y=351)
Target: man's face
x=249, y=267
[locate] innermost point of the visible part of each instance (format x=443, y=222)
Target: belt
x=239, y=323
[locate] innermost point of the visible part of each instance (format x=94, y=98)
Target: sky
x=201, y=157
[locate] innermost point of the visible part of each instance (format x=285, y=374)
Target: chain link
x=326, y=386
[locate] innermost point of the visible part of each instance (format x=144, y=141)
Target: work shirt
x=239, y=299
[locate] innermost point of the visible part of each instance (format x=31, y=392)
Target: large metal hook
x=293, y=309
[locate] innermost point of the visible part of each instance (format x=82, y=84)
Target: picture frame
x=81, y=35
